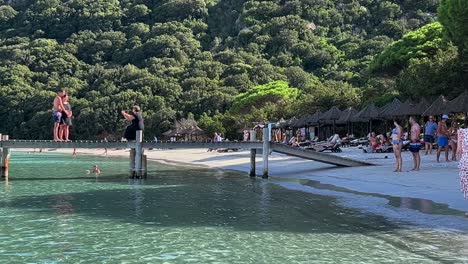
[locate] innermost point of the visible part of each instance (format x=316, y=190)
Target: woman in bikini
x=397, y=144
x=453, y=135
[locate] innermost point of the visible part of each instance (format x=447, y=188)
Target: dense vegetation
x=225, y=62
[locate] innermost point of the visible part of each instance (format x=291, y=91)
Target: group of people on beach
x=446, y=138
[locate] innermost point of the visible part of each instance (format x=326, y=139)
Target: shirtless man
x=415, y=144
x=442, y=138
x=57, y=109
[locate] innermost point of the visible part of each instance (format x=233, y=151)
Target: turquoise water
x=51, y=211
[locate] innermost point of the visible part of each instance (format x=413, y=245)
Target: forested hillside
x=201, y=58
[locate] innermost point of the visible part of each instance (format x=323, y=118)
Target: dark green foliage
x=174, y=57
x=422, y=43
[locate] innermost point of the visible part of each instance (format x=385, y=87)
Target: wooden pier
x=138, y=161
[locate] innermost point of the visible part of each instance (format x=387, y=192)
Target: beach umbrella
x=408, y=108
x=459, y=104
x=438, y=107
x=332, y=115
x=314, y=120
x=301, y=122
x=422, y=106
x=391, y=110
x=369, y=113
x=348, y=116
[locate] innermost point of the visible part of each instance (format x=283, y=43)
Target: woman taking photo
x=137, y=123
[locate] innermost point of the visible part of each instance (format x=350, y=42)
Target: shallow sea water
x=53, y=212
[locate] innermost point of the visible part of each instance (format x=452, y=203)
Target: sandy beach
x=438, y=182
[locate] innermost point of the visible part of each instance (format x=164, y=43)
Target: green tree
x=453, y=15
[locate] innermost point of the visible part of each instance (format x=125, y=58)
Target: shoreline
x=438, y=182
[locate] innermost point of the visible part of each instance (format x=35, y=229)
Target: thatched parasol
x=391, y=110
x=314, y=119
x=408, y=108
x=459, y=104
x=438, y=107
x=332, y=115
x=301, y=122
x=348, y=116
x=369, y=113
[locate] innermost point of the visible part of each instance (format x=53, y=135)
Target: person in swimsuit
x=397, y=145
x=57, y=109
x=415, y=144
x=443, y=138
x=374, y=142
x=66, y=121
x=453, y=134
x=137, y=123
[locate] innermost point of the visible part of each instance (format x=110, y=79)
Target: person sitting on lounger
x=374, y=142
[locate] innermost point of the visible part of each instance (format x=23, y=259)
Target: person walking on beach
x=462, y=151
x=415, y=144
x=430, y=130
x=57, y=109
x=66, y=122
x=453, y=134
x=443, y=138
x=137, y=122
x=397, y=144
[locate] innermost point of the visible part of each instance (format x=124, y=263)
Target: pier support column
x=5, y=161
x=131, y=169
x=252, y=135
x=266, y=151
x=139, y=153
x=144, y=162
x=253, y=154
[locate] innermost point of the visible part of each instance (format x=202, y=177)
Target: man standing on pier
x=57, y=109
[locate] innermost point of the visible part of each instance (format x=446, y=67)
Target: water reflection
x=422, y=205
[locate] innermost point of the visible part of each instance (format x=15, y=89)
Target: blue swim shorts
x=442, y=141
x=57, y=116
x=415, y=147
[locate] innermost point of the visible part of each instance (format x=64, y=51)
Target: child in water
x=96, y=169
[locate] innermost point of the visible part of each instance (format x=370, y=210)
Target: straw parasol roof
x=314, y=119
x=192, y=130
x=438, y=107
x=391, y=110
x=301, y=121
x=408, y=108
x=331, y=115
x=460, y=104
x=348, y=115
x=422, y=106
x=370, y=112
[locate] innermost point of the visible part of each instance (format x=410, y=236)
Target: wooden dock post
x=131, y=169
x=266, y=151
x=5, y=161
x=139, y=153
x=145, y=166
x=253, y=154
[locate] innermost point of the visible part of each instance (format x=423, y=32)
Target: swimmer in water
x=96, y=169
